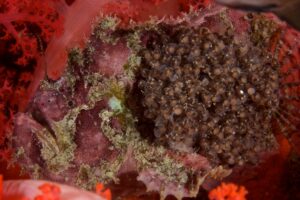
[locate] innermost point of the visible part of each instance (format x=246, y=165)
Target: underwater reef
x=162, y=106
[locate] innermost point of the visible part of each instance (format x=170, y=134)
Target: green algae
x=90, y=50
x=101, y=87
x=48, y=85
x=85, y=177
x=147, y=156
x=109, y=170
x=76, y=57
x=36, y=171
x=58, y=149
x=20, y=152
x=133, y=63
x=109, y=23
x=115, y=137
x=134, y=43
x=104, y=27
x=262, y=30
x=105, y=172
x=96, y=90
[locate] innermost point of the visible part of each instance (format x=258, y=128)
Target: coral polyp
x=210, y=93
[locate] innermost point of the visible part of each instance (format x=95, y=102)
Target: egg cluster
x=209, y=93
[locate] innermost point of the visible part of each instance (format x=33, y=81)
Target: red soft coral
x=19, y=17
x=26, y=26
x=186, y=5
x=122, y=9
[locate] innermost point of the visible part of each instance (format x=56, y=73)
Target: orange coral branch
x=50, y=192
x=103, y=192
x=228, y=191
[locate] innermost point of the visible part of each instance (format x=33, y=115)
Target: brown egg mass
x=209, y=93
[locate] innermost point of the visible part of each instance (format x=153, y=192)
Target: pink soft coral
x=44, y=190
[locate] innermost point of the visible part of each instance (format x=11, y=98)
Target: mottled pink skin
x=110, y=59
x=130, y=164
x=49, y=101
x=194, y=161
x=49, y=105
x=155, y=181
x=92, y=145
x=24, y=132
